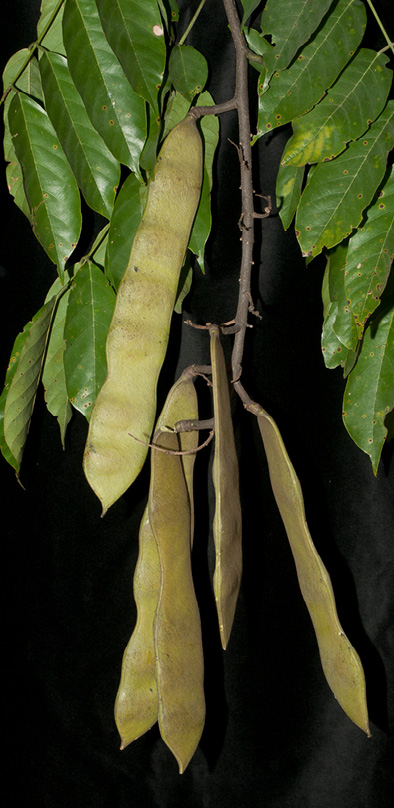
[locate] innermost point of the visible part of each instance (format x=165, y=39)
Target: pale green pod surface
x=138, y=334
x=341, y=664
x=136, y=705
x=227, y=523
x=181, y=405
x=177, y=629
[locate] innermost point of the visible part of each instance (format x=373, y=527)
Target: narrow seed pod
x=177, y=629
x=138, y=334
x=341, y=664
x=136, y=705
x=227, y=523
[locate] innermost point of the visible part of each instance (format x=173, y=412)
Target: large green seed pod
x=340, y=662
x=138, y=334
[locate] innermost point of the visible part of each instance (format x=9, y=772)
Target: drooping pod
x=177, y=628
x=227, y=523
x=340, y=662
x=138, y=334
x=136, y=705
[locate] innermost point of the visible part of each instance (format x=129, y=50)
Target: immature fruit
x=227, y=523
x=138, y=334
x=137, y=706
x=341, y=663
x=177, y=629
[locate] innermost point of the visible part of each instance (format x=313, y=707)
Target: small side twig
x=172, y=451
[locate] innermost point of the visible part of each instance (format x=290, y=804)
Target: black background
x=274, y=736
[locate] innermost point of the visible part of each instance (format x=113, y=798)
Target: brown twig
x=172, y=451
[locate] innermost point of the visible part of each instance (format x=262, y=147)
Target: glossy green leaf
x=53, y=39
x=188, y=70
x=11, y=370
x=288, y=192
x=53, y=375
x=291, y=25
x=333, y=350
x=352, y=103
x=29, y=82
x=202, y=223
x=50, y=185
x=115, y=110
x=177, y=107
x=344, y=324
x=89, y=312
x=134, y=31
x=94, y=167
x=295, y=91
x=369, y=257
x=340, y=662
x=22, y=390
x=210, y=130
x=369, y=393
x=128, y=210
x=333, y=202
x=260, y=46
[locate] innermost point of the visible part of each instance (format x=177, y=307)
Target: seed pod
x=177, y=629
x=138, y=334
x=136, y=705
x=227, y=523
x=341, y=664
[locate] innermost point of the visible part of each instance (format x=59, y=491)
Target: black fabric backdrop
x=275, y=736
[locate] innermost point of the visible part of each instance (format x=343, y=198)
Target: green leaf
x=53, y=376
x=19, y=403
x=134, y=31
x=29, y=82
x=202, y=223
x=177, y=108
x=288, y=192
x=258, y=45
x=291, y=25
x=249, y=7
x=94, y=167
x=333, y=350
x=53, y=39
x=333, y=201
x=210, y=132
x=369, y=257
x=295, y=91
x=89, y=312
x=369, y=393
x=188, y=70
x=353, y=102
x=128, y=210
x=115, y=110
x=343, y=324
x=11, y=370
x=50, y=185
